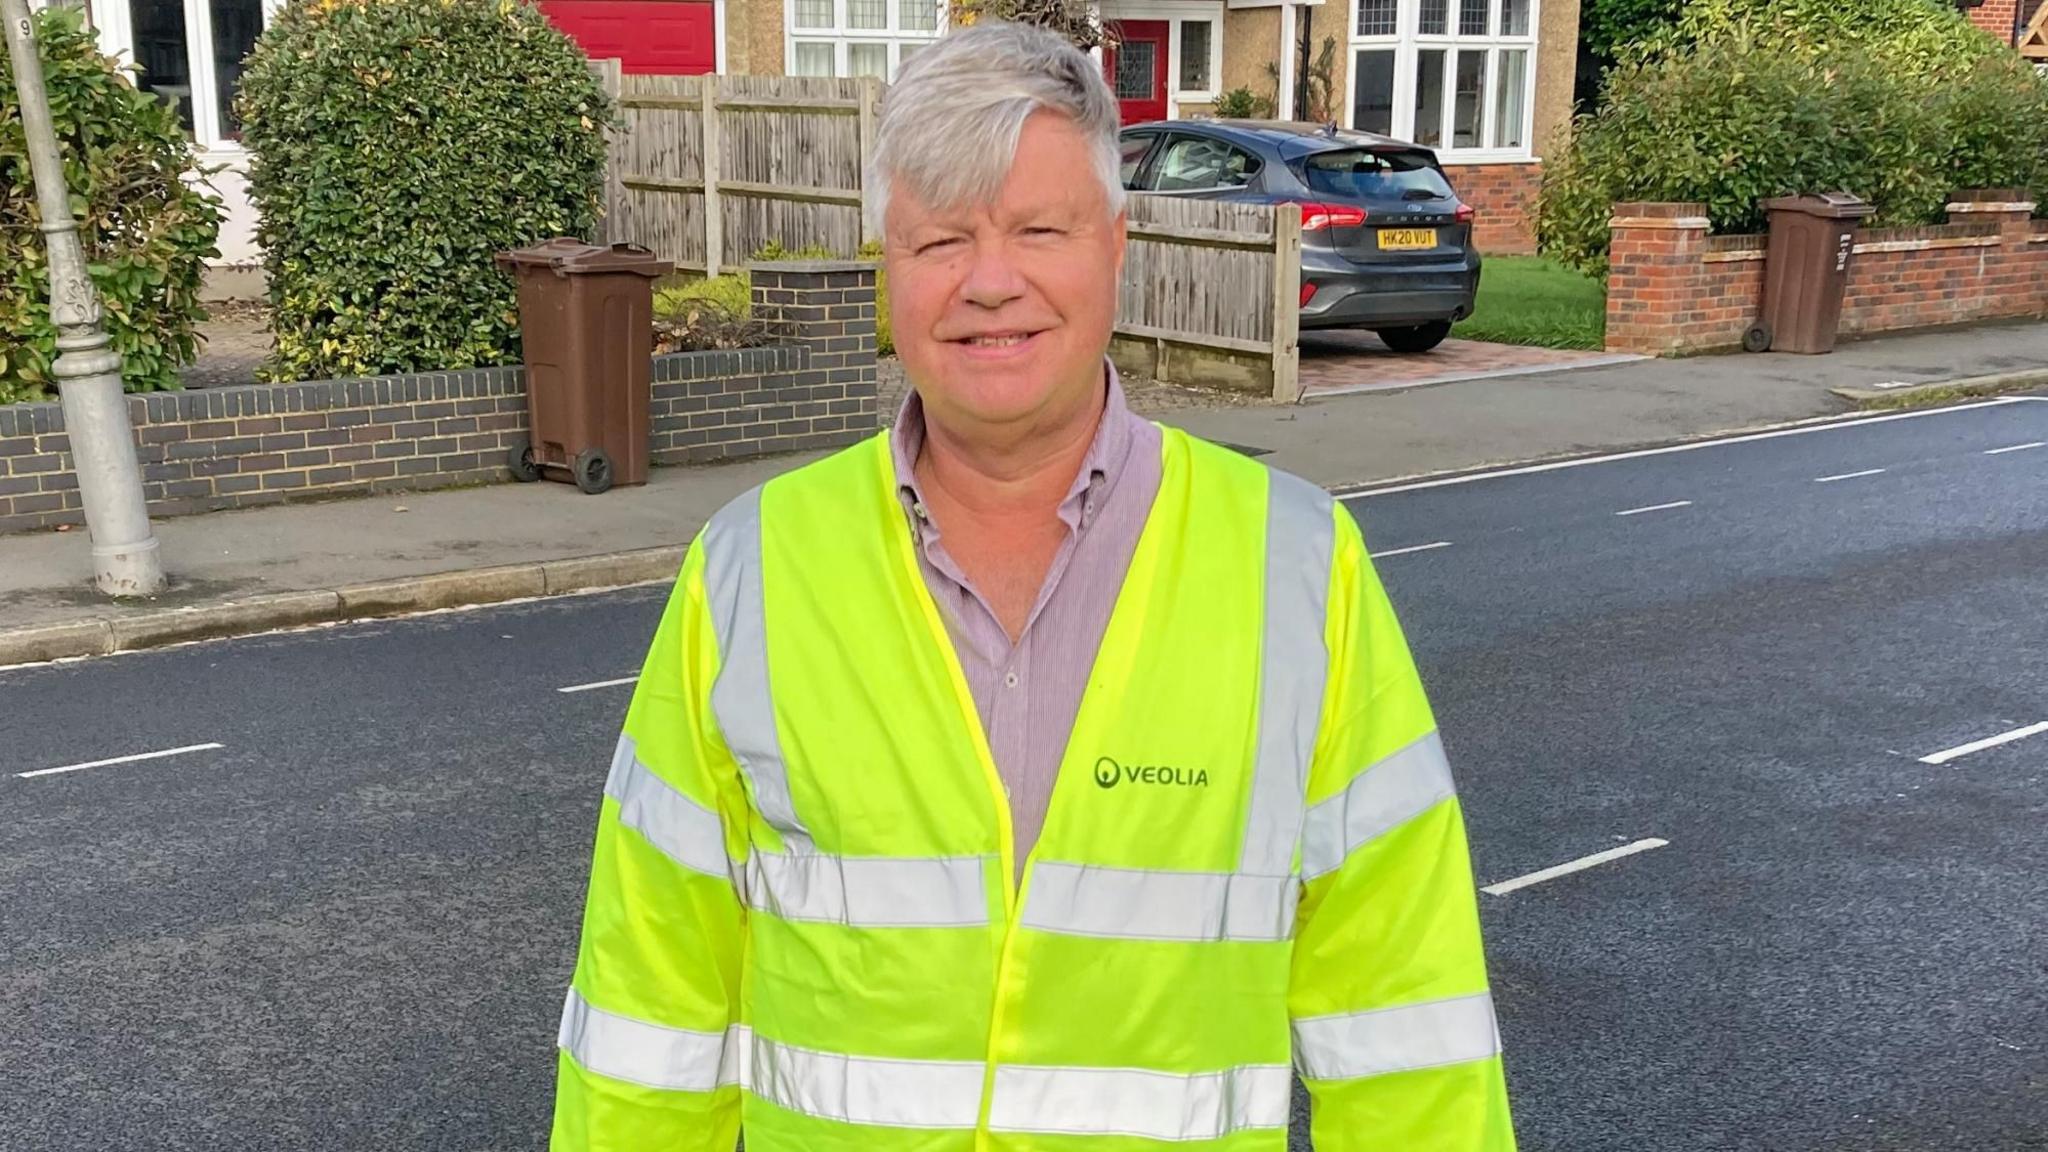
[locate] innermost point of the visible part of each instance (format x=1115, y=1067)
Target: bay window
x=1455, y=75
x=858, y=37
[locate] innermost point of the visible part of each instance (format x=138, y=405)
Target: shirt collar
x=1108, y=455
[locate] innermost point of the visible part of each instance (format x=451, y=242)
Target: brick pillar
x=1653, y=275
x=827, y=308
x=1995, y=17
x=2008, y=276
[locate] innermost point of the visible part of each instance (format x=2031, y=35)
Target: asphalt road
x=348, y=926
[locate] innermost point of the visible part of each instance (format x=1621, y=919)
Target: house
x=1486, y=82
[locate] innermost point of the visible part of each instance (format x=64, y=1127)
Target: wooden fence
x=1211, y=294
x=709, y=170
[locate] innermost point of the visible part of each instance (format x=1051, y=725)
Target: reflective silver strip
x=1085, y=900
x=740, y=698
x=651, y=1055
x=865, y=1089
x=1427, y=1035
x=1385, y=796
x=871, y=891
x=685, y=831
x=1293, y=667
x=1139, y=1102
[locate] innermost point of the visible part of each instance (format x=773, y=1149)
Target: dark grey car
x=1385, y=244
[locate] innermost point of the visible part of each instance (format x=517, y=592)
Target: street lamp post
x=125, y=557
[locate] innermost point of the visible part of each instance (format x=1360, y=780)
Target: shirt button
x=1010, y=680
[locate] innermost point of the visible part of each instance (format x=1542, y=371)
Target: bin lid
x=1828, y=205
x=568, y=256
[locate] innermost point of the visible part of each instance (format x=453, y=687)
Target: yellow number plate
x=1406, y=239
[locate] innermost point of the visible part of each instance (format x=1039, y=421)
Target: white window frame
x=842, y=35
x=1174, y=12
x=114, y=23
x=1408, y=42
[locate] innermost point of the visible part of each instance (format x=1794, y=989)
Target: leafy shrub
x=146, y=231
x=1243, y=104
x=1740, y=101
x=397, y=145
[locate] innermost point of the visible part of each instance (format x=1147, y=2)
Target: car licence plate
x=1406, y=239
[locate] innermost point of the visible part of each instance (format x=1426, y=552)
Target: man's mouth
x=998, y=340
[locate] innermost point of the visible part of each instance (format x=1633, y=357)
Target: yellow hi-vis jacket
x=802, y=921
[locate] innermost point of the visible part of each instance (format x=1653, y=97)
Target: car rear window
x=1370, y=174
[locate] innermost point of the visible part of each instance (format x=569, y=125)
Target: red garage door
x=658, y=37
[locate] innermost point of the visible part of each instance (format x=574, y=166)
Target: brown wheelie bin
x=586, y=319
x=1806, y=269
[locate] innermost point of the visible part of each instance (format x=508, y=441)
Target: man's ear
x=1121, y=226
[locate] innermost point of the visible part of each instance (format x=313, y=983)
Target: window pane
x=867, y=13
x=160, y=53
x=906, y=51
x=1508, y=101
x=814, y=14
x=1373, y=110
x=1468, y=115
x=1131, y=155
x=1436, y=17
x=1514, y=17
x=1194, y=55
x=1192, y=164
x=868, y=60
x=1429, y=96
x=1135, y=61
x=1364, y=174
x=235, y=26
x=812, y=60
x=1378, y=17
x=921, y=15
x=1472, y=17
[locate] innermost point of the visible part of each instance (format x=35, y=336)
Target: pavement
x=337, y=905
x=309, y=563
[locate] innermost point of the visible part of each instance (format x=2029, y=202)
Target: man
x=1031, y=779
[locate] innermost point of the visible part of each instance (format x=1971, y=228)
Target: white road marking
x=140, y=756
x=1803, y=428
x=1406, y=551
x=600, y=684
x=1655, y=508
x=2016, y=448
x=1848, y=476
x=1579, y=865
x=1962, y=750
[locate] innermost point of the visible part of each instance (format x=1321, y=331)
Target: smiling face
x=1002, y=311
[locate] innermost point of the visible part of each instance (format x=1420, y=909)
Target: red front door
x=659, y=37
x=1136, y=68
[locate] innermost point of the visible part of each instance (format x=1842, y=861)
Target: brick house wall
x=1673, y=289
x=1995, y=17
x=268, y=444
x=1504, y=196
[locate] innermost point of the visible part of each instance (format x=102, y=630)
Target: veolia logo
x=1109, y=773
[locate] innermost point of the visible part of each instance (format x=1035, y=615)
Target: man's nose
x=993, y=279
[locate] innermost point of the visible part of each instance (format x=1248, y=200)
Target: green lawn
x=1530, y=300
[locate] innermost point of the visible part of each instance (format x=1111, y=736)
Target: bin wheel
x=1757, y=338
x=519, y=458
x=593, y=471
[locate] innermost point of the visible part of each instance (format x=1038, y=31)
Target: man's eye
x=931, y=246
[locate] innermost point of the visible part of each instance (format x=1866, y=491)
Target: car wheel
x=1415, y=337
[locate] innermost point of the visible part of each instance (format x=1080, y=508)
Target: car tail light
x=1465, y=213
x=1316, y=216
x=1308, y=293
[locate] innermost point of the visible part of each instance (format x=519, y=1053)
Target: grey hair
x=949, y=125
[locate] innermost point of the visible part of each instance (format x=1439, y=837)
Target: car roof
x=1289, y=138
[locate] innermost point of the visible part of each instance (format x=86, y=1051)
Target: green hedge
x=147, y=231
x=1901, y=102
x=397, y=145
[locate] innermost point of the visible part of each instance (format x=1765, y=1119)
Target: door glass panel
x=1509, y=99
x=1468, y=114
x=1194, y=55
x=1131, y=154
x=236, y=24
x=1135, y=62
x=812, y=60
x=1429, y=97
x=1193, y=164
x=1373, y=109
x=160, y=53
x=868, y=60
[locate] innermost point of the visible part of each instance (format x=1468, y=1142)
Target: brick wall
x=267, y=444
x=1672, y=288
x=1995, y=17
x=1504, y=195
